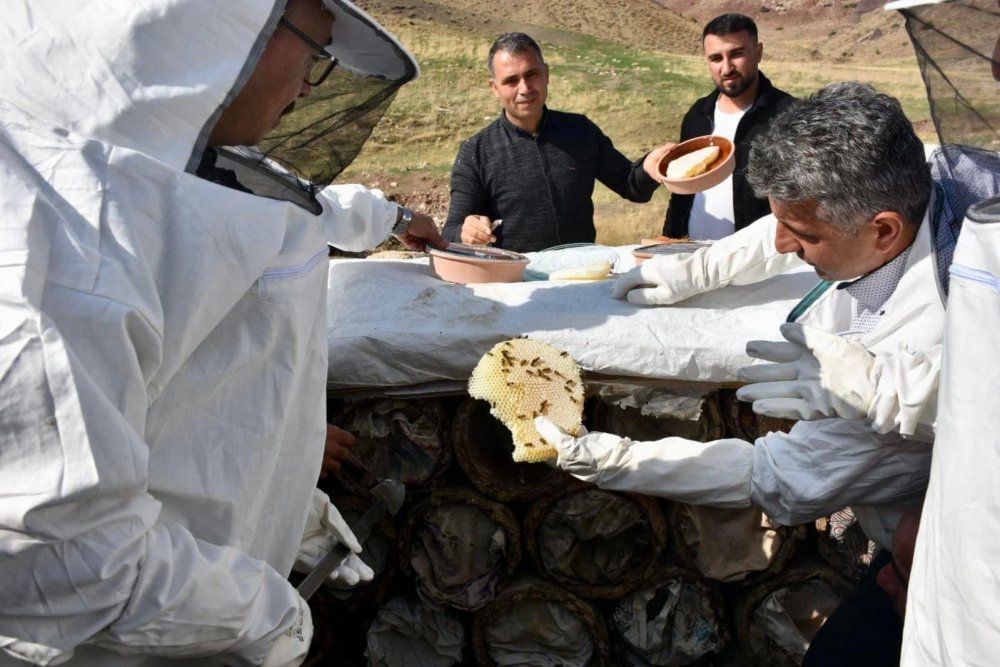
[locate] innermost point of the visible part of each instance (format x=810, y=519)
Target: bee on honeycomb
x=523, y=379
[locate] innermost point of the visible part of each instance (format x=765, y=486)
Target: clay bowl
x=467, y=264
x=671, y=248
x=717, y=172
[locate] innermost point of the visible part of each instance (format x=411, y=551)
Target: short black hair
x=727, y=24
x=513, y=42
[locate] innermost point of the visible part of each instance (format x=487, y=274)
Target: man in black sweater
x=742, y=104
x=534, y=168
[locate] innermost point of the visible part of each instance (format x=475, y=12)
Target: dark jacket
x=699, y=121
x=540, y=185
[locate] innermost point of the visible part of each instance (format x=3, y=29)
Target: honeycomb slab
x=523, y=379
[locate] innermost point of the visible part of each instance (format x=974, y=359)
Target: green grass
x=637, y=98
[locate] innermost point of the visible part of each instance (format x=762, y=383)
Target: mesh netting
x=956, y=45
x=324, y=132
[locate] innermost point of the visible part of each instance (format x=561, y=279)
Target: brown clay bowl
x=468, y=264
x=717, y=172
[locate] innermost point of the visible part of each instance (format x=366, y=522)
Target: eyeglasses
x=324, y=61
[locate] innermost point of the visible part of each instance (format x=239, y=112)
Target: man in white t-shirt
x=742, y=104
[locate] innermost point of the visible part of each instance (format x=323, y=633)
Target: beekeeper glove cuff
x=325, y=529
x=743, y=258
x=815, y=375
x=906, y=392
x=714, y=473
x=292, y=646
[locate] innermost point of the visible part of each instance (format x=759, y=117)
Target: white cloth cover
x=440, y=330
x=951, y=613
x=162, y=355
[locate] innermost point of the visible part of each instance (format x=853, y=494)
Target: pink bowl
x=468, y=264
x=717, y=172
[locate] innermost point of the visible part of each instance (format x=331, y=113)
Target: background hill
x=633, y=66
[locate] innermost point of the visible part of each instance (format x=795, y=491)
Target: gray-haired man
x=851, y=195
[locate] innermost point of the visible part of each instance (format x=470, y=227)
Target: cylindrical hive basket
x=675, y=619
x=533, y=622
x=407, y=631
x=595, y=543
x=459, y=547
x=403, y=440
x=776, y=619
x=483, y=447
x=730, y=545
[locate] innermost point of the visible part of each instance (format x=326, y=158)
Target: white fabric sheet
x=392, y=325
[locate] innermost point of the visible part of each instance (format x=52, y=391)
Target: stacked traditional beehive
x=494, y=562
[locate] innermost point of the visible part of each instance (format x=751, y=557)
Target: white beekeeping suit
x=951, y=612
x=162, y=342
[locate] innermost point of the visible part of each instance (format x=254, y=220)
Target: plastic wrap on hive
x=406, y=631
x=730, y=545
x=460, y=547
x=633, y=423
x=776, y=619
x=595, y=543
x=483, y=448
x=677, y=619
x=533, y=622
x=843, y=544
x=403, y=440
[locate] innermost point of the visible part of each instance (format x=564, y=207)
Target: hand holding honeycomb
x=523, y=379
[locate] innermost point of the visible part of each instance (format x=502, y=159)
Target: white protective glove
x=815, y=375
x=325, y=529
x=292, y=646
x=713, y=473
x=743, y=258
x=820, y=375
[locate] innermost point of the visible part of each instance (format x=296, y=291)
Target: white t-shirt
x=712, y=215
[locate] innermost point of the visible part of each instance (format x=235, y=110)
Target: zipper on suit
x=975, y=275
x=288, y=273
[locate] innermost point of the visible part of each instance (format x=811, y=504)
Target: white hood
x=114, y=74
x=162, y=344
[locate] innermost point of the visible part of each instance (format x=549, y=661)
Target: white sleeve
x=906, y=390
x=713, y=473
x=356, y=218
x=86, y=558
x=823, y=466
x=750, y=256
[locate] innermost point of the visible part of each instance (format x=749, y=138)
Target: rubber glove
x=292, y=646
x=893, y=391
x=743, y=258
x=815, y=375
x=713, y=473
x=325, y=529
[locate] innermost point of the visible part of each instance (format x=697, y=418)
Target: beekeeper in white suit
x=162, y=337
x=851, y=195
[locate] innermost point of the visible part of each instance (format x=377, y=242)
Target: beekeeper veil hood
x=320, y=136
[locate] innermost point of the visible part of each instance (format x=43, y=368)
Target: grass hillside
x=631, y=65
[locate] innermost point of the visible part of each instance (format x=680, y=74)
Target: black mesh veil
x=320, y=135
x=324, y=132
x=956, y=44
